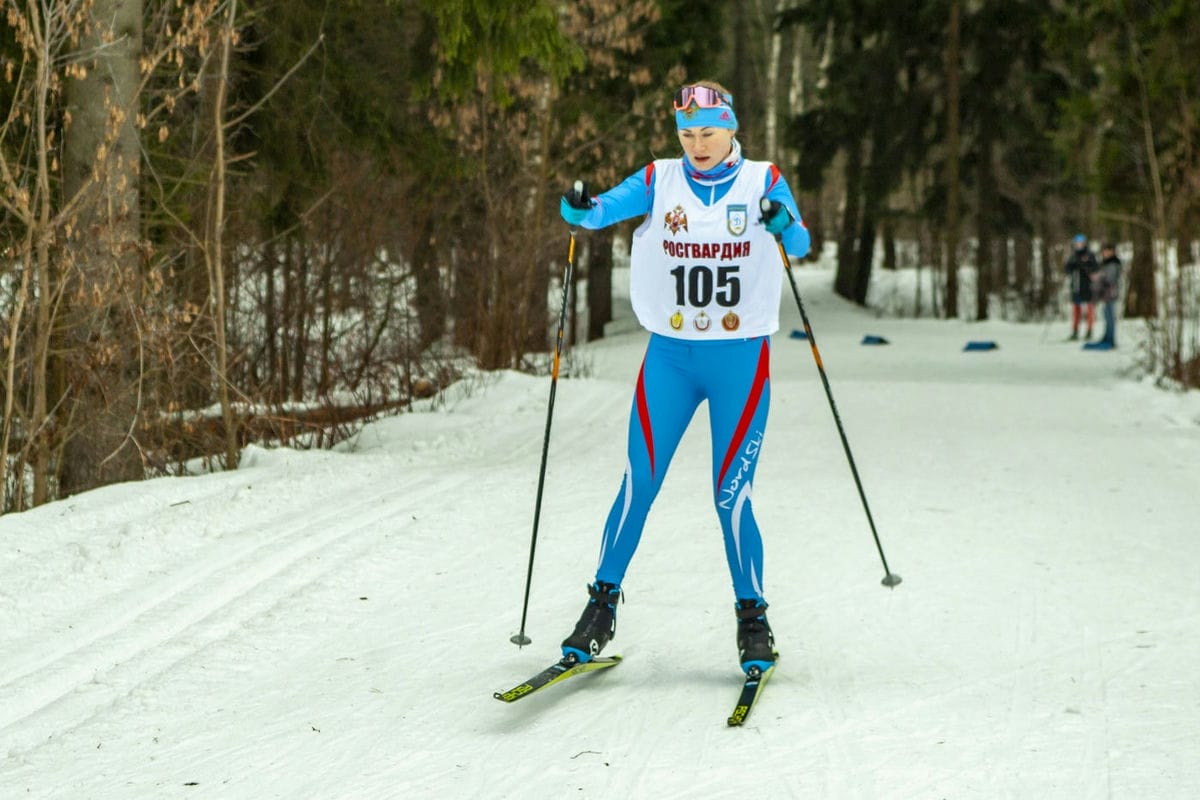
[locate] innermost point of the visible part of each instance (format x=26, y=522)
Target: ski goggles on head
x=702, y=97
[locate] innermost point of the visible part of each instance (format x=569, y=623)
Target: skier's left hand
x=776, y=217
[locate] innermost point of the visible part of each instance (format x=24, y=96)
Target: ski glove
x=776, y=216
x=575, y=204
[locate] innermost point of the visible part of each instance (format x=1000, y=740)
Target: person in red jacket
x=1079, y=269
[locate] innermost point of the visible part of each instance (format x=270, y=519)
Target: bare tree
x=79, y=324
x=69, y=167
x=214, y=229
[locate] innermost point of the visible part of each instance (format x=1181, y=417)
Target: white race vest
x=706, y=272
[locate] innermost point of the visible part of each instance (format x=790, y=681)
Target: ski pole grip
x=769, y=209
x=578, y=196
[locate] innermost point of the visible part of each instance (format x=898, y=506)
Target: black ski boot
x=756, y=643
x=597, y=625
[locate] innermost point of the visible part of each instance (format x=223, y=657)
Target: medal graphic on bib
x=702, y=322
x=677, y=321
x=730, y=321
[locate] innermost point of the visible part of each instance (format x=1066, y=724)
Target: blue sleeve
x=796, y=240
x=632, y=197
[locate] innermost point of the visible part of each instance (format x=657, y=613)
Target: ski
x=756, y=679
x=566, y=668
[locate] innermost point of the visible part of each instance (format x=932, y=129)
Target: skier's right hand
x=575, y=204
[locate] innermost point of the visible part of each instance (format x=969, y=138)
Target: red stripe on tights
x=760, y=380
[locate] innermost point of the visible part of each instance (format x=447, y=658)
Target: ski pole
x=520, y=639
x=890, y=578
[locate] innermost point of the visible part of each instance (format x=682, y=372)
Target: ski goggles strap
x=702, y=97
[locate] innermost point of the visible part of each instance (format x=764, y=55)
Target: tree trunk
x=302, y=313
x=984, y=272
x=864, y=257
x=888, y=233
x=49, y=275
x=538, y=238
x=271, y=322
x=287, y=314
x=12, y=338
x=214, y=241
x=1141, y=298
x=600, y=264
x=1003, y=275
x=845, y=282
x=952, y=147
x=771, y=120
x=326, y=356
x=985, y=266
x=430, y=299
x=1048, y=295
x=102, y=160
x=1023, y=270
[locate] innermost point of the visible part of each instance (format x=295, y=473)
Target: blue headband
x=717, y=117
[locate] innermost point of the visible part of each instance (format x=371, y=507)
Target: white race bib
x=706, y=272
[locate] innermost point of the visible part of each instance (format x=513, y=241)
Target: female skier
x=705, y=281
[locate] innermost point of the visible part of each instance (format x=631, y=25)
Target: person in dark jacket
x=1106, y=287
x=1079, y=269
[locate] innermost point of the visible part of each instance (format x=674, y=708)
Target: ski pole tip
x=520, y=640
x=891, y=580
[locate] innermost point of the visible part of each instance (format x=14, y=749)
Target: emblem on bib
x=730, y=321
x=676, y=220
x=677, y=321
x=702, y=322
x=735, y=219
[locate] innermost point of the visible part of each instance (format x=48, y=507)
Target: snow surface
x=333, y=624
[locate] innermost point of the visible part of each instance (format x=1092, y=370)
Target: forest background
x=226, y=221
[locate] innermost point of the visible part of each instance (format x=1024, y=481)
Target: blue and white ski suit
x=706, y=279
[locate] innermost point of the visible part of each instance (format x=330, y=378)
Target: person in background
x=1079, y=269
x=705, y=281
x=1106, y=287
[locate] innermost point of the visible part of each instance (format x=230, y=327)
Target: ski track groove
x=54, y=695
x=1019, y=707
x=838, y=725
x=1094, y=771
x=837, y=763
